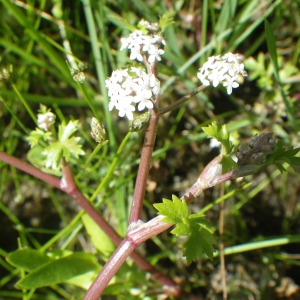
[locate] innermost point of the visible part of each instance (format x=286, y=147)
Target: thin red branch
x=143, y=171
x=68, y=186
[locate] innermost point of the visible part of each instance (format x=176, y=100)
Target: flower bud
x=98, y=132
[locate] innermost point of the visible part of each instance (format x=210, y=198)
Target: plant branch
x=138, y=233
x=68, y=186
x=143, y=171
x=181, y=100
x=29, y=169
x=146, y=155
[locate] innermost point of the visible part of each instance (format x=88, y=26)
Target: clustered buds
x=153, y=27
x=140, y=122
x=78, y=76
x=140, y=44
x=98, y=132
x=224, y=69
x=5, y=73
x=256, y=150
x=126, y=89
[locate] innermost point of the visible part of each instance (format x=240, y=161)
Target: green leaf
x=271, y=42
x=84, y=281
x=228, y=163
x=65, y=131
x=120, y=22
x=280, y=154
x=199, y=218
x=166, y=20
x=99, y=238
x=36, y=157
x=174, y=211
x=280, y=167
x=200, y=237
x=182, y=229
x=28, y=259
x=221, y=134
x=198, y=244
x=53, y=155
x=60, y=270
x=69, y=144
x=66, y=146
x=36, y=135
x=71, y=148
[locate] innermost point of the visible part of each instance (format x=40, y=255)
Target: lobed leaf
x=174, y=211
x=199, y=244
x=221, y=134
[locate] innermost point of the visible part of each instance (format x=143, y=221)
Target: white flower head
x=225, y=70
x=141, y=44
x=126, y=89
x=45, y=120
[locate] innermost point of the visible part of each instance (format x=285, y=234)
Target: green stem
x=111, y=169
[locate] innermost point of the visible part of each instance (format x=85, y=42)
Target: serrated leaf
x=36, y=157
x=200, y=220
x=199, y=244
x=181, y=229
x=228, y=164
x=288, y=156
x=53, y=155
x=36, y=135
x=71, y=147
x=65, y=131
x=166, y=20
x=100, y=239
x=174, y=211
x=59, y=271
x=27, y=259
x=221, y=134
x=66, y=146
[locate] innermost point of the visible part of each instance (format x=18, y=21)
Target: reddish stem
x=143, y=232
x=68, y=185
x=143, y=171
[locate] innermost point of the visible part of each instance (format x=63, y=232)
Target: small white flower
x=230, y=83
x=112, y=103
x=45, y=120
x=155, y=53
x=144, y=102
x=125, y=108
x=155, y=85
x=125, y=43
x=136, y=54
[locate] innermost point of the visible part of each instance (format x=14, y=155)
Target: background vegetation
x=266, y=213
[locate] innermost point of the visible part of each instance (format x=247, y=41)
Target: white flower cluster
x=225, y=70
x=125, y=90
x=139, y=43
x=45, y=120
